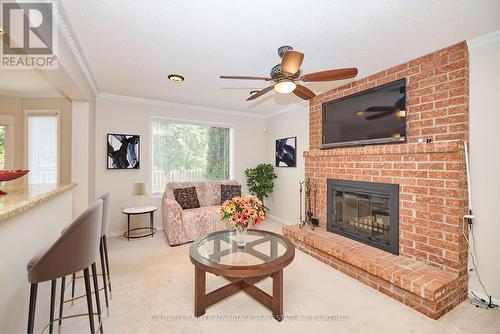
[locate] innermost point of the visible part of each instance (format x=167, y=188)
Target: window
x=6, y=141
x=189, y=152
x=43, y=152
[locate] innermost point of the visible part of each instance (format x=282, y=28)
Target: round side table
x=140, y=210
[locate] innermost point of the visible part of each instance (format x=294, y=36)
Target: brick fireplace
x=430, y=272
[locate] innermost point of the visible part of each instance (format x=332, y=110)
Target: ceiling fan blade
x=260, y=93
x=330, y=75
x=304, y=92
x=380, y=115
x=291, y=62
x=380, y=109
x=243, y=77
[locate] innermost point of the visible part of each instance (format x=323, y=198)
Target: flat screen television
x=373, y=116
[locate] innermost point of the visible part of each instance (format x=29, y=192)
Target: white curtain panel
x=42, y=149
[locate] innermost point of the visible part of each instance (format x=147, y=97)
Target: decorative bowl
x=9, y=175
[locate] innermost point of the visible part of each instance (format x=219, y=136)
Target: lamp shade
x=140, y=189
x=285, y=86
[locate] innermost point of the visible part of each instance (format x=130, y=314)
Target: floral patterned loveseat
x=183, y=226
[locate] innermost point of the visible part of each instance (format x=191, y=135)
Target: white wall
x=132, y=116
x=284, y=201
x=485, y=158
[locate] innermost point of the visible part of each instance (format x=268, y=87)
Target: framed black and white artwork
x=286, y=152
x=123, y=151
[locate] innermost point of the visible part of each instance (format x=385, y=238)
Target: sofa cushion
x=229, y=191
x=201, y=221
x=187, y=197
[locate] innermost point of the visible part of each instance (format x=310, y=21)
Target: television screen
x=373, y=116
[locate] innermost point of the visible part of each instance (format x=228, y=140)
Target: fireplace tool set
x=309, y=218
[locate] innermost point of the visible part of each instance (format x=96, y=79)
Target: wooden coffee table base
x=202, y=300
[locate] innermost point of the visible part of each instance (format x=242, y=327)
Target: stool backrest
x=76, y=249
x=106, y=212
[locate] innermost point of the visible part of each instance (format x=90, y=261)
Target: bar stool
x=103, y=254
x=75, y=250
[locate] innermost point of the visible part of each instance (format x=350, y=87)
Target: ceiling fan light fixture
x=285, y=86
x=176, y=78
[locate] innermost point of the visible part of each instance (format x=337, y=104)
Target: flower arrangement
x=243, y=211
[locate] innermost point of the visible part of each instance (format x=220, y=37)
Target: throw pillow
x=187, y=198
x=229, y=191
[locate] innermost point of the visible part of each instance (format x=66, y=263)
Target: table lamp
x=141, y=189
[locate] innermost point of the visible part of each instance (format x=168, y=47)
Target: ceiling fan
x=284, y=76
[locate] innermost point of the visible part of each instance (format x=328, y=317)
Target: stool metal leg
x=88, y=292
x=73, y=288
x=151, y=219
x=97, y=300
x=105, y=243
x=103, y=269
x=52, y=305
x=61, y=300
x=32, y=306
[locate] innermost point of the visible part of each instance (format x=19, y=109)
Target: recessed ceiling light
x=253, y=92
x=176, y=78
x=359, y=113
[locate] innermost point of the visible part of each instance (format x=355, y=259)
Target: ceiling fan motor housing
x=276, y=72
x=283, y=49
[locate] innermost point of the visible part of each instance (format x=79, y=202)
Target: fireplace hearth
x=364, y=211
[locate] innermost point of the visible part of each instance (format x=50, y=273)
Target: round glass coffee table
x=265, y=255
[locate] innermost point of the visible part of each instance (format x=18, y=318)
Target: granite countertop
x=21, y=197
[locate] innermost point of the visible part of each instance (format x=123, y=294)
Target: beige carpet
x=153, y=293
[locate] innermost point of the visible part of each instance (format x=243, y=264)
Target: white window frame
x=152, y=118
x=8, y=122
x=43, y=112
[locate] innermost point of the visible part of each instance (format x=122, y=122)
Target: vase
x=241, y=237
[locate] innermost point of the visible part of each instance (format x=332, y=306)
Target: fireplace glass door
x=365, y=211
x=362, y=214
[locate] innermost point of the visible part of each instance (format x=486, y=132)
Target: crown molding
x=292, y=108
x=178, y=106
x=484, y=39
x=69, y=35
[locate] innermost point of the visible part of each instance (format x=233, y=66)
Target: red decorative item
x=9, y=175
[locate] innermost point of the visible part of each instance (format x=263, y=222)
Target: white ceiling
x=132, y=46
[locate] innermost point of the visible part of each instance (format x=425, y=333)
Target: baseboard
x=483, y=296
x=281, y=220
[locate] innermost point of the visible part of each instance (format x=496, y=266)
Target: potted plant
x=243, y=212
x=260, y=180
